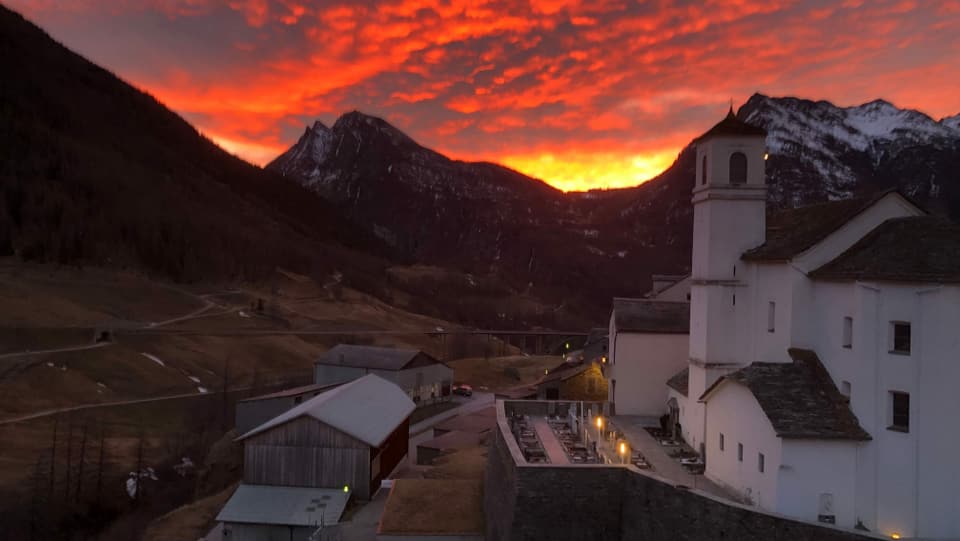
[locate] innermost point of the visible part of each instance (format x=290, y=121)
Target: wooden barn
x=352, y=436
x=425, y=379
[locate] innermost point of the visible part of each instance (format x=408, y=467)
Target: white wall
x=641, y=365
x=732, y=410
x=809, y=468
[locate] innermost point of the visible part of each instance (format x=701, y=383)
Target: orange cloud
x=581, y=94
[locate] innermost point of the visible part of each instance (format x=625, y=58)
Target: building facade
x=425, y=379
x=854, y=302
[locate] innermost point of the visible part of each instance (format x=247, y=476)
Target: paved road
x=39, y=414
x=29, y=353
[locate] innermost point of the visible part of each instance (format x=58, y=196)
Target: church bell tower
x=729, y=218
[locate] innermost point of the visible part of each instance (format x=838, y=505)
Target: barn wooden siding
x=307, y=453
x=393, y=450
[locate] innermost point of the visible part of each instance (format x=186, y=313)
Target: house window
x=703, y=171
x=848, y=332
x=899, y=411
x=734, y=299
x=771, y=316
x=738, y=168
x=740, y=452
x=760, y=462
x=900, y=337
x=845, y=389
x=721, y=441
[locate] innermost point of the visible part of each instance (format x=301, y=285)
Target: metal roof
x=369, y=408
x=374, y=357
x=285, y=506
x=304, y=389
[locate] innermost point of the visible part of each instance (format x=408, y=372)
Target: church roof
x=911, y=249
x=793, y=231
x=731, y=125
x=799, y=398
x=648, y=316
x=679, y=381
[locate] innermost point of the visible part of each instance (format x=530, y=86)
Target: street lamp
x=623, y=452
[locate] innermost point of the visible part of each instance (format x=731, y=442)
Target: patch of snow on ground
x=194, y=379
x=202, y=390
x=622, y=254
x=100, y=383
x=241, y=313
x=50, y=365
x=153, y=358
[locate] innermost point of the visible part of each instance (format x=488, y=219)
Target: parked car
x=463, y=390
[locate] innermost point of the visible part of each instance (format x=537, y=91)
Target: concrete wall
x=613, y=503
x=265, y=532
x=811, y=469
x=641, y=366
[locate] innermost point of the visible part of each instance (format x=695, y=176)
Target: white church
x=817, y=371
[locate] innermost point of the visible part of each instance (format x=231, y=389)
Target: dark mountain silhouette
x=94, y=171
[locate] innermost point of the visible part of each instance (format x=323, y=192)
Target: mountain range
x=484, y=218
x=94, y=171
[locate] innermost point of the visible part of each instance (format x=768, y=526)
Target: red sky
x=581, y=93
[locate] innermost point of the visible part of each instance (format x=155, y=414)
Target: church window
x=740, y=452
x=721, y=441
x=771, y=316
x=848, y=332
x=845, y=389
x=738, y=168
x=899, y=411
x=900, y=337
x=760, y=461
x=703, y=171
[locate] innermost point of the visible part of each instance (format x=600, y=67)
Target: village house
x=425, y=379
x=573, y=381
x=821, y=360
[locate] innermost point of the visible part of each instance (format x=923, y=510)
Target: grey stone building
x=425, y=379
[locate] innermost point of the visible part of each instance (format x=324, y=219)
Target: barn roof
x=375, y=358
x=304, y=389
x=912, y=249
x=791, y=232
x=369, y=409
x=648, y=316
x=799, y=398
x=284, y=506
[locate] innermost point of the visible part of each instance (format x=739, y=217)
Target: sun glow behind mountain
x=583, y=94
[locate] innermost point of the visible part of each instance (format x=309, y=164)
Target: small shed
x=352, y=436
x=425, y=379
x=253, y=412
x=573, y=382
x=259, y=513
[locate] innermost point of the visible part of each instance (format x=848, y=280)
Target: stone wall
x=528, y=502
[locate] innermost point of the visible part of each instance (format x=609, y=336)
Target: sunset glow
x=599, y=93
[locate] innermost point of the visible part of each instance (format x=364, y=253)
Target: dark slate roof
x=793, y=231
x=564, y=372
x=799, y=398
x=731, y=125
x=679, y=381
x=375, y=358
x=914, y=249
x=649, y=316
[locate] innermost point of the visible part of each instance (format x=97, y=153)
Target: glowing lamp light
x=623, y=448
x=894, y=536
x=546, y=371
x=346, y=488
x=599, y=422
x=766, y=156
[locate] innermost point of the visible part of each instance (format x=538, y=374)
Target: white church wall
x=733, y=411
x=641, y=366
x=818, y=477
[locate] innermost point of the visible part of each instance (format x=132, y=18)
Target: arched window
x=703, y=171
x=738, y=168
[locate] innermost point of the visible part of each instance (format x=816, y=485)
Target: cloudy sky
x=581, y=93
